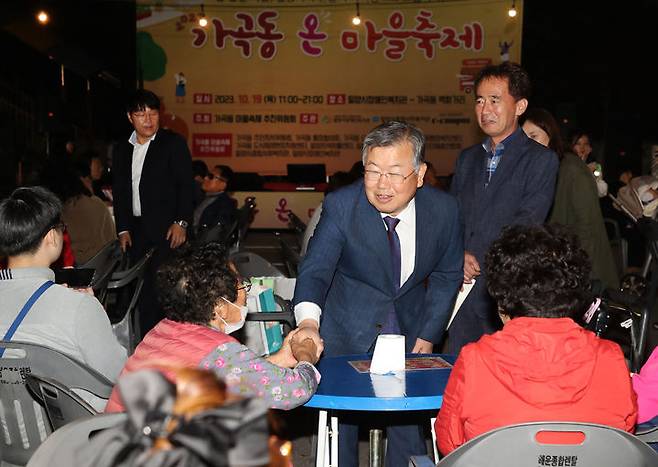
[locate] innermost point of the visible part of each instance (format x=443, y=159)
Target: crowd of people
x=389, y=250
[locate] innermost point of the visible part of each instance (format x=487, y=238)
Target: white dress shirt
x=406, y=230
x=139, y=155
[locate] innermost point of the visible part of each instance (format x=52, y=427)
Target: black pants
x=150, y=310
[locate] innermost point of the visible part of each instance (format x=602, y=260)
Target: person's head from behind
x=540, y=125
x=581, y=144
x=394, y=165
x=501, y=97
x=31, y=228
x=217, y=180
x=538, y=271
x=143, y=109
x=198, y=285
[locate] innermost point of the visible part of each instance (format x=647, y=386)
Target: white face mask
x=230, y=328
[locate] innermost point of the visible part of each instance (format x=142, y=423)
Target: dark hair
x=141, y=99
x=518, y=81
x=575, y=135
x=392, y=133
x=538, y=271
x=544, y=120
x=63, y=179
x=26, y=216
x=193, y=281
x=226, y=174
x=199, y=168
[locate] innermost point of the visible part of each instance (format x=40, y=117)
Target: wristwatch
x=182, y=223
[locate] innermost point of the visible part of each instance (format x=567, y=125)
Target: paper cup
x=391, y=385
x=389, y=354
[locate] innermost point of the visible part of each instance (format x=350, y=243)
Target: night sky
x=593, y=64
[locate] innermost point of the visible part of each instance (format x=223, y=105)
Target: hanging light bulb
x=43, y=17
x=203, y=21
x=356, y=20
x=512, y=11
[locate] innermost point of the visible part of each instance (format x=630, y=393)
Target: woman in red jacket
x=542, y=366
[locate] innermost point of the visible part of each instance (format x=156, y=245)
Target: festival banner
x=270, y=83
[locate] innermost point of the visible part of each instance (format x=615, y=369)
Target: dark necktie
x=392, y=326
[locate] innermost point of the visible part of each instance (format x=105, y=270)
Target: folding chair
x=127, y=328
x=105, y=263
x=296, y=224
x=244, y=218
x=60, y=448
x=23, y=422
x=580, y=444
x=250, y=264
x=291, y=257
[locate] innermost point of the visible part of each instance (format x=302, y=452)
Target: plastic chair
x=23, y=422
x=291, y=257
x=296, y=224
x=60, y=448
x=250, y=264
x=127, y=328
x=522, y=445
x=60, y=403
x=105, y=263
x=244, y=218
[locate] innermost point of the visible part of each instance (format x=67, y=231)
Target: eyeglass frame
x=142, y=114
x=388, y=176
x=245, y=284
x=212, y=176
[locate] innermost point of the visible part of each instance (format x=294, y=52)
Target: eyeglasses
x=245, y=284
x=59, y=226
x=141, y=115
x=373, y=176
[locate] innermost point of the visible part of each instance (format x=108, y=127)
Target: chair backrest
x=62, y=405
x=104, y=262
x=250, y=264
x=291, y=257
x=296, y=224
x=23, y=422
x=219, y=233
x=244, y=218
x=527, y=444
x=60, y=448
x=127, y=328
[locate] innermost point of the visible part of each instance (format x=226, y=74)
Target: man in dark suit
x=153, y=193
x=507, y=179
x=386, y=257
x=217, y=207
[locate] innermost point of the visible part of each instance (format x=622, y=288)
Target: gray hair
x=392, y=133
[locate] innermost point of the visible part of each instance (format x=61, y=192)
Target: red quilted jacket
x=173, y=344
x=535, y=369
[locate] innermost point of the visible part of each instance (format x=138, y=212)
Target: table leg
x=321, y=456
x=434, y=449
x=334, y=441
x=375, y=448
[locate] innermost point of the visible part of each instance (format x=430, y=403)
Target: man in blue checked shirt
x=507, y=179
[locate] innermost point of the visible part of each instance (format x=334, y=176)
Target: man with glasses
x=386, y=257
x=153, y=193
x=73, y=322
x=217, y=207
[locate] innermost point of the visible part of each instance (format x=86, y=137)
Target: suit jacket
x=166, y=187
x=347, y=271
x=221, y=211
x=520, y=191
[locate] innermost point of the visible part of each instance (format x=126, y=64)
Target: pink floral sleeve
x=248, y=375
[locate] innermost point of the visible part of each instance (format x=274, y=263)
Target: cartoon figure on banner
x=504, y=50
x=181, y=81
x=281, y=211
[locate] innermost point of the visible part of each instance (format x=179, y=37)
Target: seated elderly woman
x=542, y=366
x=204, y=302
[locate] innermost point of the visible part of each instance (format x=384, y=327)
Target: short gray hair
x=392, y=133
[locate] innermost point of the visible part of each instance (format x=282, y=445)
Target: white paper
x=389, y=354
x=461, y=296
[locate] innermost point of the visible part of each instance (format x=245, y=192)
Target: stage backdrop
x=265, y=84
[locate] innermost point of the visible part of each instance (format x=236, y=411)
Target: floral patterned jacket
x=248, y=375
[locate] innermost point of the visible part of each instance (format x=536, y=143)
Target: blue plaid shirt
x=493, y=158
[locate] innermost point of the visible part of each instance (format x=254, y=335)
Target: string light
x=43, y=17
x=512, y=11
x=356, y=20
x=203, y=21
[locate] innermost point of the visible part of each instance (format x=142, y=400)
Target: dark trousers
x=477, y=316
x=150, y=310
x=405, y=437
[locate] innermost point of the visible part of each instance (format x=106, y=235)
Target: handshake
x=300, y=345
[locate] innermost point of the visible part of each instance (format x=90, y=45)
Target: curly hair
x=193, y=281
x=538, y=271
